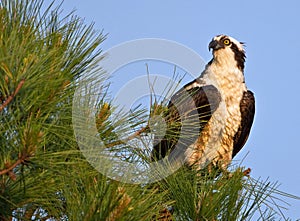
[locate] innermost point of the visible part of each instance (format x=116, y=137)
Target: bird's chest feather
x=231, y=88
x=216, y=140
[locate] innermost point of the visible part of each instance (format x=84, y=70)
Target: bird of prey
x=209, y=119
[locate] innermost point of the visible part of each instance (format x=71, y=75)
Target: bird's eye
x=226, y=42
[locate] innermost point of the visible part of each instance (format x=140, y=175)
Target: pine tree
x=43, y=174
x=41, y=57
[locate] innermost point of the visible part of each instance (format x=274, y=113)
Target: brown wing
x=247, y=108
x=188, y=112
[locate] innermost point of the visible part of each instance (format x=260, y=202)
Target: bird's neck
x=224, y=73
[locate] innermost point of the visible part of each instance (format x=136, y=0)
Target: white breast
x=216, y=141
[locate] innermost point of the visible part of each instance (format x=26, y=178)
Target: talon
x=247, y=172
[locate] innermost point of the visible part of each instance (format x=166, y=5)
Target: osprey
x=209, y=119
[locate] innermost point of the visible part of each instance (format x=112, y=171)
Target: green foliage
x=41, y=57
x=43, y=175
x=221, y=195
x=93, y=196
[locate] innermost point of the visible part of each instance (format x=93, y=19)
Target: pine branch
x=10, y=98
x=129, y=138
x=9, y=167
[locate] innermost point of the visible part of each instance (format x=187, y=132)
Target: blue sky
x=271, y=31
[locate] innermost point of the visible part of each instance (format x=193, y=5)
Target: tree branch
x=9, y=99
x=10, y=167
x=131, y=137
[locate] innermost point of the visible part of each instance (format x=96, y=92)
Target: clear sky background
x=271, y=30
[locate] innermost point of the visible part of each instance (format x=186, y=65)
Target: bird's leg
x=247, y=172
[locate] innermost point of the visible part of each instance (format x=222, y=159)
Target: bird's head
x=227, y=49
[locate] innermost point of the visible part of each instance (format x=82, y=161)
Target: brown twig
x=9, y=167
x=123, y=202
x=137, y=133
x=10, y=97
x=131, y=137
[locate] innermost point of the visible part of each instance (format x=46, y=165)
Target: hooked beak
x=214, y=45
